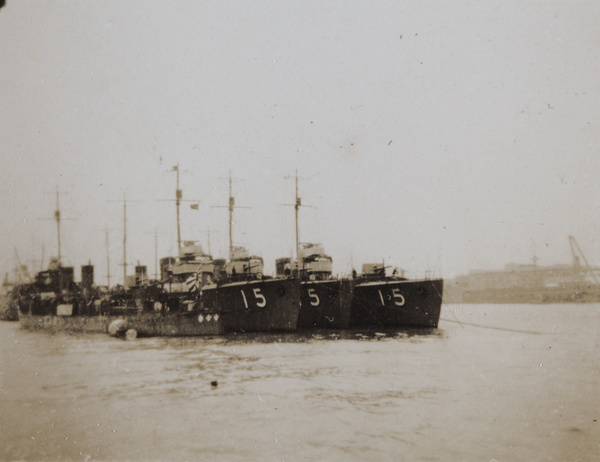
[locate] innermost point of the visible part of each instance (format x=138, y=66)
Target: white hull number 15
x=399, y=298
x=261, y=301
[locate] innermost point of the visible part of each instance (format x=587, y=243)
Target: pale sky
x=441, y=136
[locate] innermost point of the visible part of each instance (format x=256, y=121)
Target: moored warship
x=324, y=299
x=199, y=295
x=54, y=302
x=248, y=300
x=170, y=307
x=366, y=301
x=393, y=301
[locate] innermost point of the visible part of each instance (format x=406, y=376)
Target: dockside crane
x=577, y=253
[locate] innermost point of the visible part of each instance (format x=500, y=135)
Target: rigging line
x=453, y=314
x=495, y=328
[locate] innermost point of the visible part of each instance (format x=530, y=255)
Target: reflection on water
x=493, y=382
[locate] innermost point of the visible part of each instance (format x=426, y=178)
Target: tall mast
x=208, y=239
x=124, y=237
x=107, y=261
x=124, y=264
x=297, y=205
x=57, y=218
x=231, y=206
x=178, y=196
x=178, y=200
x=155, y=254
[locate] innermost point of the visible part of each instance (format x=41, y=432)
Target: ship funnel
x=87, y=276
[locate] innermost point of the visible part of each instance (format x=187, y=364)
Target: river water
x=493, y=383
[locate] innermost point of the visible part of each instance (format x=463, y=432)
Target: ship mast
x=178, y=196
x=124, y=238
x=155, y=254
x=107, y=261
x=57, y=218
x=297, y=205
x=208, y=240
x=124, y=264
x=178, y=200
x=231, y=206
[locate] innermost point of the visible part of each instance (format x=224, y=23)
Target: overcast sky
x=440, y=136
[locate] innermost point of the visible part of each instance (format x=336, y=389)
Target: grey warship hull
x=396, y=303
x=261, y=305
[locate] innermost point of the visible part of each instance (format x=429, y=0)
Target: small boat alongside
x=170, y=308
x=193, y=323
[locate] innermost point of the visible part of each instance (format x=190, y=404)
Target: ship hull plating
x=182, y=324
x=258, y=305
x=325, y=304
x=69, y=324
x=397, y=303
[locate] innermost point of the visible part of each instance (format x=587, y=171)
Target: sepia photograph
x=300, y=231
